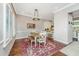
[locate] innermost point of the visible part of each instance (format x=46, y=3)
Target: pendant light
x=36, y=15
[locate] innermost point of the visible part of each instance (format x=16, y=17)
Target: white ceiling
x=46, y=10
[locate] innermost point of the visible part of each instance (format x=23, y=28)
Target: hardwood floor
x=59, y=54
x=16, y=49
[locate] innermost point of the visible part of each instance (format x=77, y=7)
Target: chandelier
x=36, y=15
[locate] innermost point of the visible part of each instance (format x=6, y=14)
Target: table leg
x=35, y=41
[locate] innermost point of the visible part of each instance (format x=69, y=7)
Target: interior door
x=70, y=28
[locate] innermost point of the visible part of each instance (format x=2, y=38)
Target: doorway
x=75, y=25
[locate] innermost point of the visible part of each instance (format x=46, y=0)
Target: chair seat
x=40, y=40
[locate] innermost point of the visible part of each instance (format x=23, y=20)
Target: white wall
x=63, y=30
x=60, y=26
x=21, y=26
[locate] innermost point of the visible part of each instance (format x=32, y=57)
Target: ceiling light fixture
x=36, y=15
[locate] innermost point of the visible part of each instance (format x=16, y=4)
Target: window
x=9, y=20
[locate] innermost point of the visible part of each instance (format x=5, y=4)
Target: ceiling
x=46, y=10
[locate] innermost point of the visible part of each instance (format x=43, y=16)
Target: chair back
x=43, y=35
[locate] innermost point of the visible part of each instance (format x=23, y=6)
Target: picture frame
x=30, y=25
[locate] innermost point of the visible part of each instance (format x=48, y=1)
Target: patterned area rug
x=38, y=50
x=23, y=48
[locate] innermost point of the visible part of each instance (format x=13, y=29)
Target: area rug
x=23, y=48
x=38, y=50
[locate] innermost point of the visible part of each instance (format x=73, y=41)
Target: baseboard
x=64, y=42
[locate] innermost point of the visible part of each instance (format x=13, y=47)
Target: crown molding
x=64, y=7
